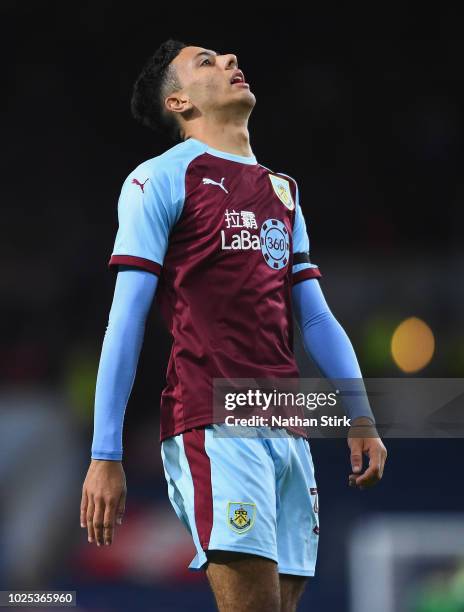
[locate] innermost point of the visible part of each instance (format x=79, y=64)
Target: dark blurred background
x=366, y=112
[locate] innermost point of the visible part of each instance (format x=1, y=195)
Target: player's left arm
x=330, y=348
x=327, y=343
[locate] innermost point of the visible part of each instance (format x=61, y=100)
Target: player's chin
x=244, y=95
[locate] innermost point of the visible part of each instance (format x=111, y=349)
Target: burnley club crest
x=241, y=516
x=282, y=189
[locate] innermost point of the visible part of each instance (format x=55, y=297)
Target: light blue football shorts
x=254, y=495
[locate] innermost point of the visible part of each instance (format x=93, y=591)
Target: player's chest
x=240, y=208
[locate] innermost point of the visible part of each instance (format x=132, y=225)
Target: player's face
x=206, y=78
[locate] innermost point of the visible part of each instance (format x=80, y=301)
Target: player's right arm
x=146, y=212
x=104, y=489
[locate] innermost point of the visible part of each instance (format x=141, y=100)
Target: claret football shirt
x=227, y=238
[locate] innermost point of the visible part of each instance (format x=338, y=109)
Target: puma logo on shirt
x=136, y=182
x=208, y=181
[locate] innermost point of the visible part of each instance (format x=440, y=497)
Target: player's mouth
x=238, y=79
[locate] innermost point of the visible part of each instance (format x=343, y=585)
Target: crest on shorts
x=282, y=188
x=241, y=516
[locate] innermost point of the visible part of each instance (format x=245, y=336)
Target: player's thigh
x=229, y=504
x=243, y=494
x=244, y=582
x=291, y=589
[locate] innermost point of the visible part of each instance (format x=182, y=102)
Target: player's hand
x=103, y=500
x=364, y=439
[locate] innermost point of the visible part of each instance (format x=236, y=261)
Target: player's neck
x=229, y=138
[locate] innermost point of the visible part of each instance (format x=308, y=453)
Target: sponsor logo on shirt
x=275, y=245
x=243, y=239
x=272, y=239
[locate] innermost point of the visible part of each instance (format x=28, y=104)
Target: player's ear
x=178, y=102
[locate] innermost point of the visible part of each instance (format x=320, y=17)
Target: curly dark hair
x=157, y=80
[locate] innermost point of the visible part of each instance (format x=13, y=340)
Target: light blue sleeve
x=327, y=343
x=301, y=245
x=302, y=267
x=149, y=205
x=133, y=296
x=300, y=233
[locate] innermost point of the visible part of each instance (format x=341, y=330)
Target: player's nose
x=230, y=61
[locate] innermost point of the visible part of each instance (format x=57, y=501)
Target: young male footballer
x=221, y=241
